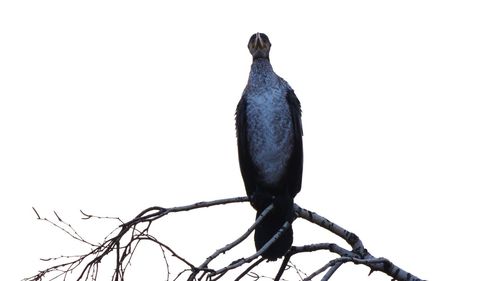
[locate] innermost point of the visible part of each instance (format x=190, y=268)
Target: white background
x=115, y=106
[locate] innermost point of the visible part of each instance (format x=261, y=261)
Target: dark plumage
x=269, y=132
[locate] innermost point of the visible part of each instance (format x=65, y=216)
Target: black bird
x=269, y=132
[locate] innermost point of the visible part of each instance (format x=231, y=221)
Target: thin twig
x=252, y=266
x=89, y=216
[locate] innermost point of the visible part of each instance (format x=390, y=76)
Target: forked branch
x=121, y=244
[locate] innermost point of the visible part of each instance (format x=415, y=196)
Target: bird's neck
x=261, y=72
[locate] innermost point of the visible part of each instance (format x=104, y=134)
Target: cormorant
x=269, y=132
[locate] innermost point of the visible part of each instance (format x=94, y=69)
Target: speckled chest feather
x=269, y=123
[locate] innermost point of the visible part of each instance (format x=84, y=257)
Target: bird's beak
x=258, y=41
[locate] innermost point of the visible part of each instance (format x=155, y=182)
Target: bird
x=269, y=137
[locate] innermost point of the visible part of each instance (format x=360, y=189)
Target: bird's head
x=259, y=46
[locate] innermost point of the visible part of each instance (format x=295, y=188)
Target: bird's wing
x=294, y=171
x=248, y=169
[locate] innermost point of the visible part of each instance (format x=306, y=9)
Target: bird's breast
x=269, y=131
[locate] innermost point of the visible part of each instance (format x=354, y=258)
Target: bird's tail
x=270, y=225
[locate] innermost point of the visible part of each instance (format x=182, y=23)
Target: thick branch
x=359, y=254
x=349, y=237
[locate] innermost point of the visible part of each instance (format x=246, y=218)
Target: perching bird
x=269, y=132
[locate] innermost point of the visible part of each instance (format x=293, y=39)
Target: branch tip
x=86, y=216
x=57, y=216
x=37, y=215
x=371, y=271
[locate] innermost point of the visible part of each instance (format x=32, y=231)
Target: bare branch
x=283, y=266
x=331, y=271
x=234, y=243
x=240, y=262
x=359, y=252
x=37, y=215
x=252, y=266
x=349, y=237
x=125, y=239
x=88, y=216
